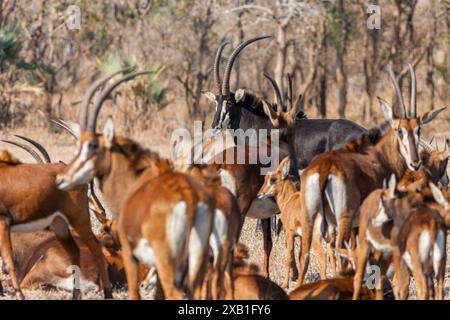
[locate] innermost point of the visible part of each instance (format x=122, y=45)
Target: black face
x=227, y=113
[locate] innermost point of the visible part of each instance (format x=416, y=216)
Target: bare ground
x=62, y=147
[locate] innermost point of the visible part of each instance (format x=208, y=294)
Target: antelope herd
x=361, y=199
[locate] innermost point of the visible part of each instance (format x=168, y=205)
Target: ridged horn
x=216, y=68
x=277, y=92
x=27, y=148
x=90, y=93
x=412, y=107
x=232, y=58
x=38, y=146
x=402, y=110
x=104, y=94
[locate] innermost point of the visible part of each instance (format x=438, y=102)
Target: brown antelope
x=280, y=186
x=433, y=169
x=171, y=232
x=226, y=228
x=420, y=244
x=375, y=236
x=347, y=177
x=34, y=204
x=227, y=220
x=340, y=288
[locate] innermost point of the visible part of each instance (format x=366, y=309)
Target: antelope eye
x=272, y=180
x=400, y=132
x=93, y=145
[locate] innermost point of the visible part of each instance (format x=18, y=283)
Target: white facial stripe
x=405, y=148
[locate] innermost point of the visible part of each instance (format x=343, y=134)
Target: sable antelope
x=340, y=288
x=280, y=186
x=242, y=110
x=420, y=244
x=433, y=169
x=44, y=205
x=227, y=221
x=243, y=179
x=94, y=203
x=171, y=232
x=226, y=228
x=347, y=177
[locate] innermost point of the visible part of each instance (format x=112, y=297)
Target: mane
x=7, y=159
x=363, y=141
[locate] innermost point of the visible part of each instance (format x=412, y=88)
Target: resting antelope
x=34, y=204
x=347, y=177
x=171, y=232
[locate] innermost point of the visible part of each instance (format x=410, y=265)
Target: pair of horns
x=38, y=158
x=279, y=95
x=89, y=123
x=223, y=88
x=412, y=107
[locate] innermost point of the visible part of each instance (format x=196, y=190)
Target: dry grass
x=62, y=147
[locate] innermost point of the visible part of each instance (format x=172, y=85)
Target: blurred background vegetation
x=325, y=45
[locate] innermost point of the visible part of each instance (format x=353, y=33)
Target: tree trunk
x=341, y=76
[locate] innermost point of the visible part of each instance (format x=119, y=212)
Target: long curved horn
x=428, y=147
x=277, y=91
x=105, y=93
x=216, y=68
x=229, y=67
x=28, y=149
x=412, y=107
x=402, y=109
x=66, y=126
x=38, y=146
x=90, y=93
x=289, y=91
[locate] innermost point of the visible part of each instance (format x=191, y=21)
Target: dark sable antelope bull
x=346, y=177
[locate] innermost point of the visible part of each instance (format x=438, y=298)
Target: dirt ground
x=62, y=147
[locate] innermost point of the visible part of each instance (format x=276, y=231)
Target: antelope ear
x=108, y=132
x=438, y=195
x=298, y=107
x=269, y=112
x=387, y=111
x=430, y=115
x=239, y=95
x=392, y=185
x=285, y=169
x=210, y=96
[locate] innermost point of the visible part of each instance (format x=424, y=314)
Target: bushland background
x=334, y=58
